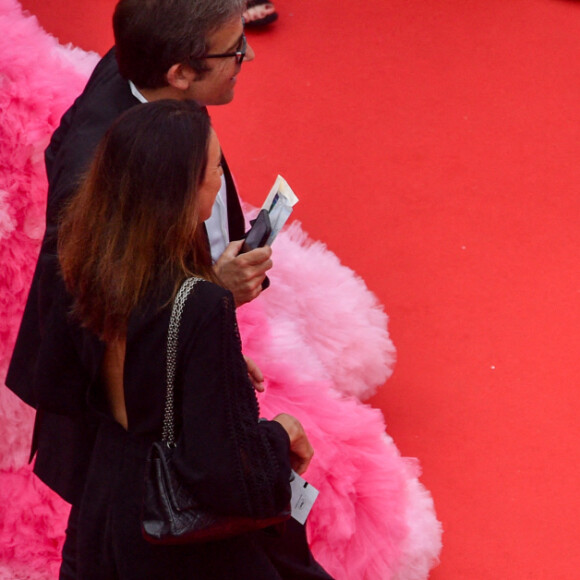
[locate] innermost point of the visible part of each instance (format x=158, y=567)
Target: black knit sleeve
x=236, y=464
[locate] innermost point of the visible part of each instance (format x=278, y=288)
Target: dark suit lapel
x=236, y=222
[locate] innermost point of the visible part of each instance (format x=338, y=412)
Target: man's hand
x=255, y=374
x=243, y=274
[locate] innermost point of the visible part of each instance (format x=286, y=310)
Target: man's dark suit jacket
x=63, y=444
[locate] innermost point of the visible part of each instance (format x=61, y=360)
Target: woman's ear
x=180, y=76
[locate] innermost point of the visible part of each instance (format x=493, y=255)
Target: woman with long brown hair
x=127, y=241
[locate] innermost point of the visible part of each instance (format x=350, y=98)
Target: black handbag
x=171, y=515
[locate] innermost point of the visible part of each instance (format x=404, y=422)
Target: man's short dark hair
x=153, y=35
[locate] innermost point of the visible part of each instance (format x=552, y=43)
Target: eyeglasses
x=239, y=54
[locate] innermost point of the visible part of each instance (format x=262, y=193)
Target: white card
x=279, y=204
x=303, y=497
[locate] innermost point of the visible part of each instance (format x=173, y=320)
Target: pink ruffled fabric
x=38, y=81
x=318, y=334
x=31, y=526
x=387, y=526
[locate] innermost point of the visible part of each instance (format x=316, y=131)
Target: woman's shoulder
x=206, y=299
x=208, y=291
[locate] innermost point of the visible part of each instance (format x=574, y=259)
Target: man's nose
x=250, y=54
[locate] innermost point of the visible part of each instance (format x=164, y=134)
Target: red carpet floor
x=434, y=146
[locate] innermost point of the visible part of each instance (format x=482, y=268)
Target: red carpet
x=434, y=147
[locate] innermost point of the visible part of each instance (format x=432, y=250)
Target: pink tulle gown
x=323, y=346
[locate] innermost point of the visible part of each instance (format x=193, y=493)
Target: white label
x=303, y=497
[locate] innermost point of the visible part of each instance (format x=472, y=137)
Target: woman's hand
x=301, y=451
x=255, y=374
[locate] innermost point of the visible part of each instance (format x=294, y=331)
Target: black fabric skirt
x=110, y=544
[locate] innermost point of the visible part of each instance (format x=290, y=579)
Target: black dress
x=236, y=464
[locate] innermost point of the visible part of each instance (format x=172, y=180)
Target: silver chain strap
x=168, y=434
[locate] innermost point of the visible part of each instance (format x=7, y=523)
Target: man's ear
x=180, y=76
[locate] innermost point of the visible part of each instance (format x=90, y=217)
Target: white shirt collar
x=136, y=93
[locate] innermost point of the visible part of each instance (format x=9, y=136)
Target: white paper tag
x=279, y=204
x=303, y=497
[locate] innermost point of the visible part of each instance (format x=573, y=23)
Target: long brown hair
x=132, y=226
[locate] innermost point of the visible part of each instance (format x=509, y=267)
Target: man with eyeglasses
x=164, y=49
